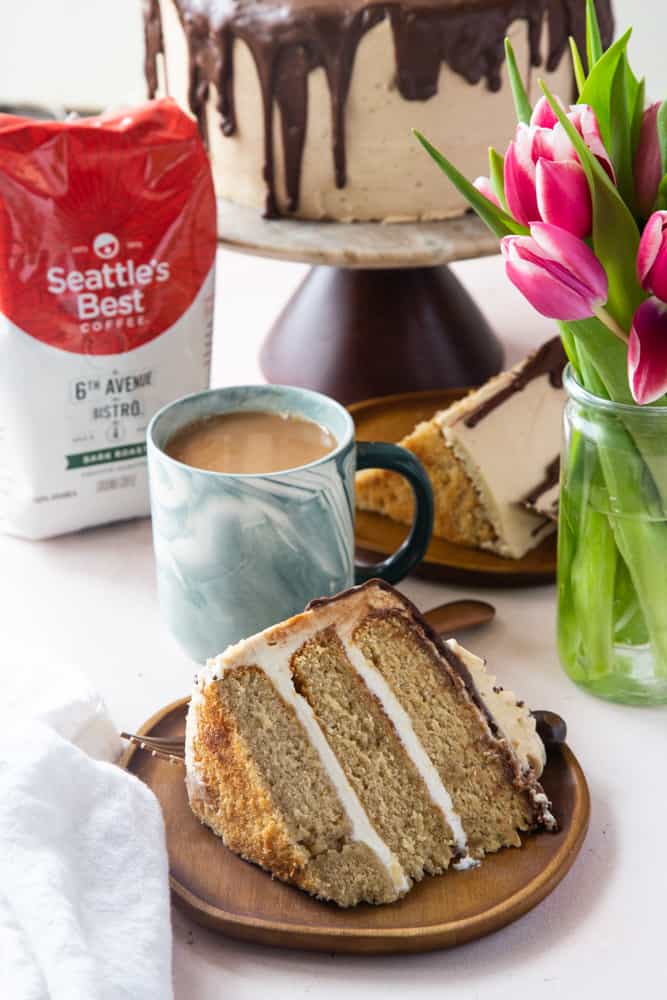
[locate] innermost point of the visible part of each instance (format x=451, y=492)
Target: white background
x=89, y=53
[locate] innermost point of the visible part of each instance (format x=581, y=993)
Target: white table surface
x=89, y=598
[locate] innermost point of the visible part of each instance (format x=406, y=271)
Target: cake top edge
x=374, y=595
x=548, y=361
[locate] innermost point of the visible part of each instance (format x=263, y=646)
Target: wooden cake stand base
x=380, y=312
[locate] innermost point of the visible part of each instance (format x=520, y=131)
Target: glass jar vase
x=612, y=548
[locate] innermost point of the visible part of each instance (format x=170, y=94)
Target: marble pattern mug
x=236, y=553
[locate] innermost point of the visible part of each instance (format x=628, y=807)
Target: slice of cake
x=308, y=106
x=492, y=458
x=350, y=752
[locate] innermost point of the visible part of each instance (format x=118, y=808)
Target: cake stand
x=380, y=312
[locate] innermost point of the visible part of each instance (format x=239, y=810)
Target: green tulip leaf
x=597, y=91
x=594, y=48
x=597, y=345
x=661, y=200
x=623, y=100
x=521, y=102
x=498, y=221
x=578, y=65
x=662, y=134
x=615, y=232
x=637, y=115
x=497, y=175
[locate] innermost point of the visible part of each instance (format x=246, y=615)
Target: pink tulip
x=583, y=118
x=520, y=164
x=563, y=196
x=648, y=161
x=647, y=352
x=557, y=272
x=483, y=185
x=652, y=256
x=544, y=179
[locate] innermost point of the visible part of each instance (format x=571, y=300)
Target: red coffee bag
x=107, y=260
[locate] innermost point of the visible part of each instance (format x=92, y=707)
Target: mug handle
x=378, y=455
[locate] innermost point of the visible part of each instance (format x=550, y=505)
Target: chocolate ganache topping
x=288, y=39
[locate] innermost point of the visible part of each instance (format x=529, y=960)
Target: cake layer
x=483, y=781
x=373, y=756
x=276, y=84
x=350, y=732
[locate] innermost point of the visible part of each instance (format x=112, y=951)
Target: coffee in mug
x=250, y=442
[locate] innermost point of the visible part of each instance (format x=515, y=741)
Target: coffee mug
x=236, y=553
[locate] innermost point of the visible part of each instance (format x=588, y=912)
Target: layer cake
x=350, y=752
x=307, y=106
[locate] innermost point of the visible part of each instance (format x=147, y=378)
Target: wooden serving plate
x=390, y=418
x=224, y=893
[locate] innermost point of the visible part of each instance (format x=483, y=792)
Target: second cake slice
x=491, y=457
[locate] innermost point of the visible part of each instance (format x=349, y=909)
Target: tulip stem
x=610, y=323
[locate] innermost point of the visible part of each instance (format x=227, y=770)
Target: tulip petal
x=648, y=161
x=583, y=118
x=543, y=147
x=652, y=256
x=543, y=114
x=647, y=352
x=563, y=196
x=519, y=177
x=657, y=279
x=547, y=295
x=562, y=145
x=575, y=256
x=484, y=186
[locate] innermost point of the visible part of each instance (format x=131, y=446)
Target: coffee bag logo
x=106, y=246
x=114, y=247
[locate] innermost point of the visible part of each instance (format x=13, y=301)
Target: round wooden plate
x=390, y=418
x=227, y=894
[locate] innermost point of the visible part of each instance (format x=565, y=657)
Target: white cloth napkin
x=84, y=900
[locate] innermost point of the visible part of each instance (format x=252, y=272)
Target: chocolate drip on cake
x=549, y=360
x=531, y=501
x=288, y=39
x=551, y=477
